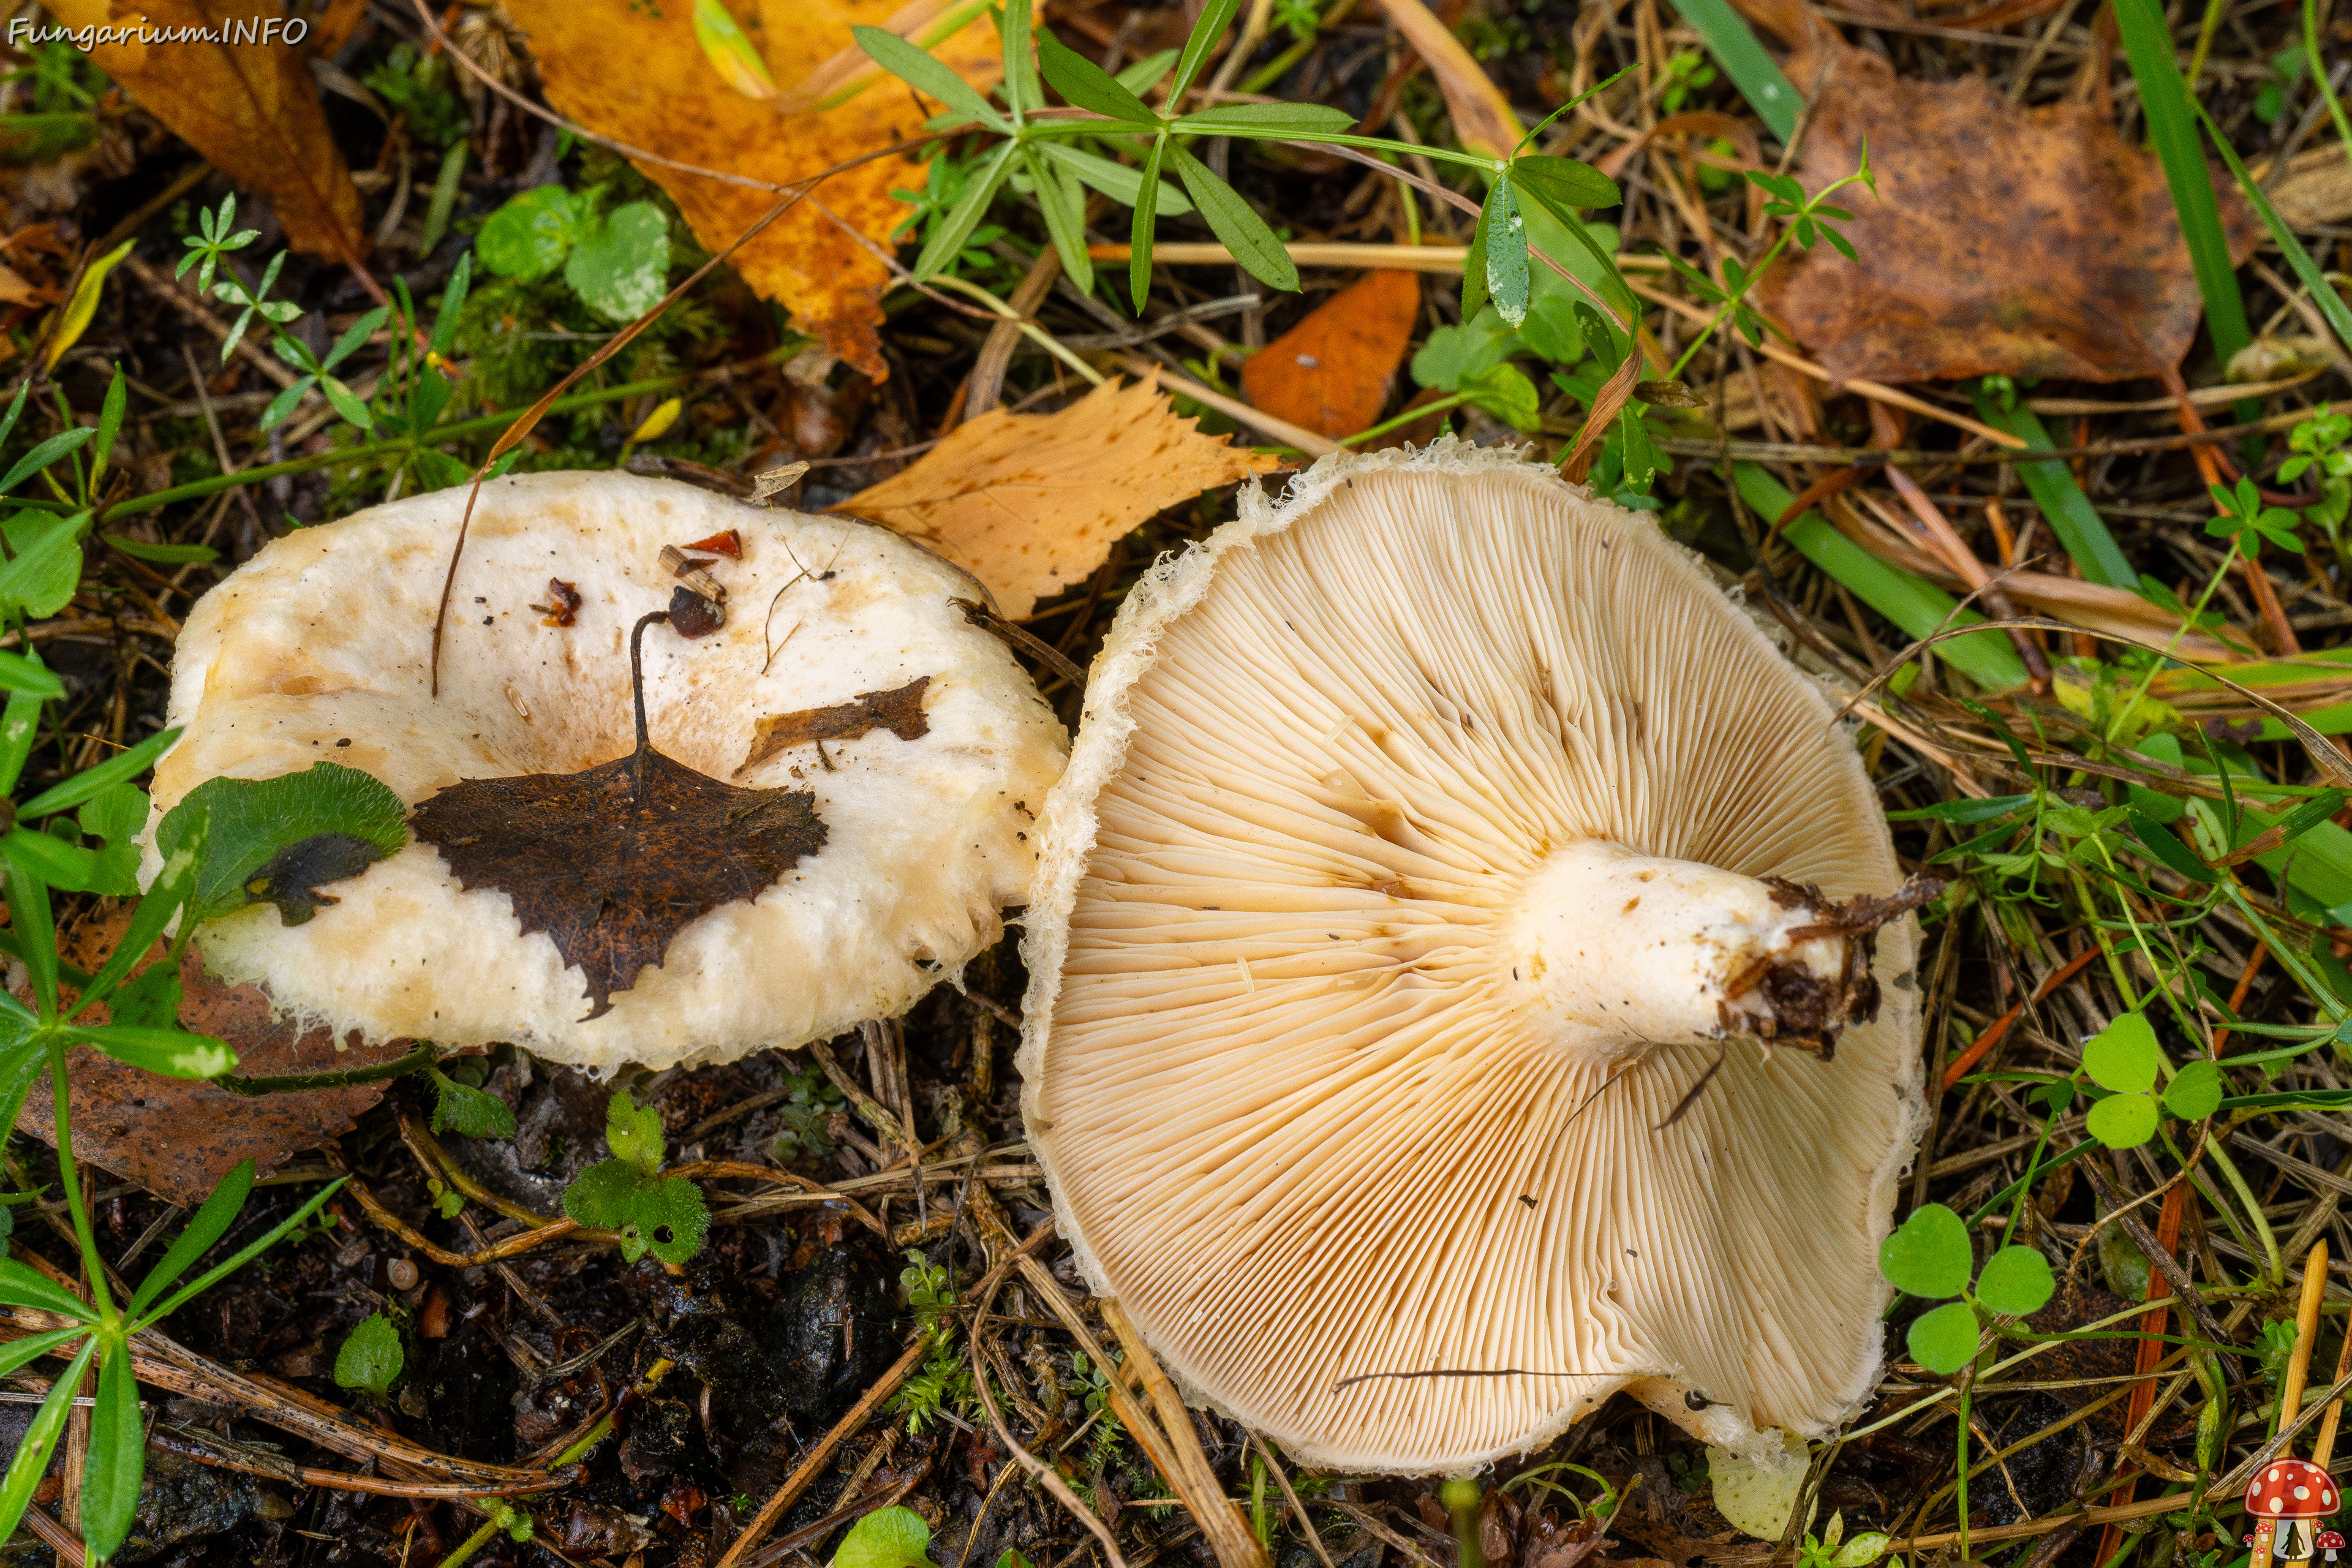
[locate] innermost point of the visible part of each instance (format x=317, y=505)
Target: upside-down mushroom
x=1430, y=838
x=897, y=748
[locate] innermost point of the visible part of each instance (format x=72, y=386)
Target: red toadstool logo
x=2286, y=1500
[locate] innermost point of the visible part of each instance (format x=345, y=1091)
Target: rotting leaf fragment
x=277, y=840
x=562, y=605
x=899, y=710
x=692, y=615
x=613, y=861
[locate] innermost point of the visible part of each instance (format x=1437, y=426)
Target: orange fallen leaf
x=1030, y=503
x=249, y=105
x=1331, y=371
x=16, y=289
x=637, y=74
x=2026, y=241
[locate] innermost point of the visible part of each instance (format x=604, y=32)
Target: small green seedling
x=2320, y=447
x=462, y=1109
x=887, y=1538
x=101, y=1331
x=2122, y=1060
x=617, y=262
x=945, y=1380
x=1825, y=1551
x=372, y=1357
x=2248, y=519
x=807, y=1115
x=661, y=1214
x=1929, y=1256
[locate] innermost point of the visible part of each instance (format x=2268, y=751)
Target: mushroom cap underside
x=320, y=647
x=1298, y=1116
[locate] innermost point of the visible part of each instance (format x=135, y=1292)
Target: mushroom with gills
x=2286, y=1500
x=844, y=670
x=1429, y=839
x=2331, y=1542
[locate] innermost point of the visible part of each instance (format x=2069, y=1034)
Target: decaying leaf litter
x=2108, y=824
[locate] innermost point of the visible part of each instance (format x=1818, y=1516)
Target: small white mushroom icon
x=1430, y=838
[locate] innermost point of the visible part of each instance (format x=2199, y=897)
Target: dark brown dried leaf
x=899, y=710
x=2024, y=241
x=613, y=861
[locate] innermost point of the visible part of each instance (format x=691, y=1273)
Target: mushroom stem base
x=1620, y=951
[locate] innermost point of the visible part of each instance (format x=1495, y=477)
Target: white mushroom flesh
x=1623, y=951
x=1343, y=769
x=320, y=648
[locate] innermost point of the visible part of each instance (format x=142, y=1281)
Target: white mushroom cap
x=1351, y=1028
x=320, y=648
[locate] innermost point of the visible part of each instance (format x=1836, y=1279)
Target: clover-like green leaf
x=372, y=1357
x=529, y=237
x=468, y=1111
x=2195, y=1091
x=622, y=271
x=2015, y=1281
x=1945, y=1339
x=2123, y=1055
x=1928, y=1255
x=665, y=1215
x=2123, y=1120
x=887, y=1538
x=44, y=567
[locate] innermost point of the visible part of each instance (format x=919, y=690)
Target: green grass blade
x=1912, y=602
x=1147, y=202
x=39, y=1444
x=2322, y=294
x=211, y=1222
x=2071, y=515
x=2317, y=64
x=1020, y=61
x=1087, y=85
x=2164, y=97
x=1234, y=221
x=252, y=1250
x=1064, y=205
x=1506, y=253
x=1215, y=17
x=1116, y=181
x=117, y=1457
x=921, y=70
x=23, y=1287
x=1734, y=46
x=950, y=232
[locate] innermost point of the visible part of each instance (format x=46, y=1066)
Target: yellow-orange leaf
x=639, y=74
x=249, y=105
x=1331, y=371
x=1030, y=503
